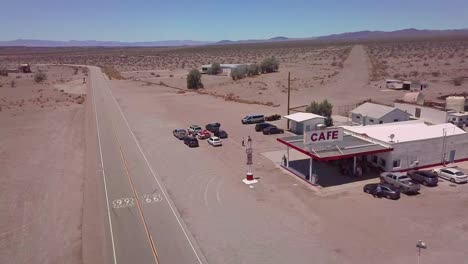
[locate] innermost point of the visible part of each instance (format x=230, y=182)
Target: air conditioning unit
x=320, y=127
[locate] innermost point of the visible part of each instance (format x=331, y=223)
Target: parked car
x=179, y=133
x=221, y=134
x=194, y=129
x=215, y=141
x=387, y=191
x=203, y=134
x=272, y=130
x=424, y=177
x=213, y=127
x=451, y=174
x=191, y=141
x=253, y=119
x=260, y=126
x=273, y=117
x=401, y=181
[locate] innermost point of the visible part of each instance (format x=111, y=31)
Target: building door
x=299, y=128
x=452, y=156
x=418, y=112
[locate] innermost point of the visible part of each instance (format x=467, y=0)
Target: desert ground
x=48, y=153
x=42, y=161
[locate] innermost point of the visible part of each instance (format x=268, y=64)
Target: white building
x=371, y=114
x=458, y=119
x=397, y=146
x=415, y=144
x=225, y=68
x=302, y=122
x=427, y=114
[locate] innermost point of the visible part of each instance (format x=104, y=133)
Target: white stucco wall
x=428, y=114
x=426, y=152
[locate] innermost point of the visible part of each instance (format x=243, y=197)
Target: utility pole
x=289, y=94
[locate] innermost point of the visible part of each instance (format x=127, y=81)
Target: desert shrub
x=194, y=79
x=75, y=70
x=239, y=72
x=435, y=74
x=458, y=81
x=153, y=73
x=40, y=77
x=214, y=69
x=253, y=69
x=324, y=108
x=171, y=75
x=269, y=65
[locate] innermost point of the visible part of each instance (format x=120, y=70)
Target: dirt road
x=349, y=87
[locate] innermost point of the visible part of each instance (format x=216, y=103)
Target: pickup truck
x=401, y=181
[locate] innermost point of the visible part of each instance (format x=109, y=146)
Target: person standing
x=243, y=142
x=378, y=191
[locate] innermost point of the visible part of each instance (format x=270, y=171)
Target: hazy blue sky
x=146, y=20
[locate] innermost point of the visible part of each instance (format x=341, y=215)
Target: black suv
x=426, y=178
x=272, y=130
x=191, y=141
x=221, y=134
x=213, y=127
x=260, y=126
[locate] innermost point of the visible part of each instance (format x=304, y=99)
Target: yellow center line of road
x=150, y=239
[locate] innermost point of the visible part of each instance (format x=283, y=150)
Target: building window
x=395, y=120
x=374, y=159
x=396, y=163
x=382, y=162
x=358, y=117
x=380, y=122
x=454, y=119
x=372, y=120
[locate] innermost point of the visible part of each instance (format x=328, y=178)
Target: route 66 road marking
x=152, y=198
x=123, y=202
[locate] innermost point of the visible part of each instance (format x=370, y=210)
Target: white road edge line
x=103, y=174
x=152, y=172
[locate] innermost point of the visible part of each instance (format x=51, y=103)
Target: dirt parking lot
x=280, y=219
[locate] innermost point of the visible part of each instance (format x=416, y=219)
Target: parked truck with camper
x=401, y=181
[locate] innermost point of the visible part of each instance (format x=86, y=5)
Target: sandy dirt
x=42, y=164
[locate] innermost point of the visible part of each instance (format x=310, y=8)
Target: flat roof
x=405, y=131
x=301, y=117
x=459, y=114
x=351, y=146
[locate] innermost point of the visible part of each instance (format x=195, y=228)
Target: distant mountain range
x=404, y=33
x=96, y=43
x=360, y=35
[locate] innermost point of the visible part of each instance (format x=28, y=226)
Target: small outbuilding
x=371, y=114
x=24, y=68
x=413, y=98
x=302, y=122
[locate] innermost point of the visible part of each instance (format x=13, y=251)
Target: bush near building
x=214, y=69
x=40, y=77
x=244, y=71
x=269, y=65
x=194, y=79
x=324, y=108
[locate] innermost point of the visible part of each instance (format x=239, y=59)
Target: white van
x=252, y=119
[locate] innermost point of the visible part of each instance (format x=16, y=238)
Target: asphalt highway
x=144, y=225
